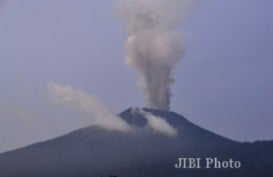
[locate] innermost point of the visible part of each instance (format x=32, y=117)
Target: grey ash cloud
x=154, y=44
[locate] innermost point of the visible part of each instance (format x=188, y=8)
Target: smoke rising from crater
x=153, y=45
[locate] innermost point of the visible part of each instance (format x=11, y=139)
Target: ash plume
x=153, y=45
x=99, y=114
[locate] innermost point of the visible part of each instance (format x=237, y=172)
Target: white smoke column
x=154, y=46
x=159, y=124
x=99, y=114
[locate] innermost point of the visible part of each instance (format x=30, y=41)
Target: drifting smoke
x=157, y=123
x=160, y=125
x=100, y=115
x=153, y=45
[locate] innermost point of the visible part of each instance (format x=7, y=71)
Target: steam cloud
x=153, y=45
x=159, y=124
x=100, y=115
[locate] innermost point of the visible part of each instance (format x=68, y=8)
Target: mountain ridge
x=94, y=151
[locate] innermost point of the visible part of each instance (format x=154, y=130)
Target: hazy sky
x=224, y=82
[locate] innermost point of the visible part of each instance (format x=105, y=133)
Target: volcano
x=96, y=152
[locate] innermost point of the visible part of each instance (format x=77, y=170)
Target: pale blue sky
x=224, y=82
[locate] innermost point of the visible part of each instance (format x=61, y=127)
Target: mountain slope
x=92, y=151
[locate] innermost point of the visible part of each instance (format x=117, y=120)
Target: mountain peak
x=186, y=130
x=135, y=115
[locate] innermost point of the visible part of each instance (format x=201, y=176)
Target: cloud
x=154, y=44
x=159, y=124
x=99, y=114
